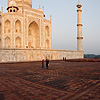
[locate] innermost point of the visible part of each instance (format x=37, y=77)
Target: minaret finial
x=50, y=17
x=2, y=10
x=43, y=8
x=78, y=1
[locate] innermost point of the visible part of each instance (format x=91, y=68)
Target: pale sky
x=64, y=23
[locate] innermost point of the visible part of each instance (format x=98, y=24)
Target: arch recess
x=34, y=34
x=7, y=42
x=47, y=44
x=29, y=45
x=46, y=31
x=7, y=27
x=18, y=42
x=18, y=26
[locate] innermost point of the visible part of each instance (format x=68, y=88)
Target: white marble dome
x=12, y=3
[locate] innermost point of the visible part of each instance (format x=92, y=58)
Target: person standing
x=43, y=63
x=47, y=63
x=63, y=59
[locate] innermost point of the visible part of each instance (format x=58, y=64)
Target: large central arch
x=34, y=34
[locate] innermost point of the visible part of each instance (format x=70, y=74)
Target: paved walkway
x=63, y=81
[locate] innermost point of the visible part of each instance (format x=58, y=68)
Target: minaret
x=79, y=28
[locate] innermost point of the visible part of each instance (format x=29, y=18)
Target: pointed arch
x=18, y=42
x=7, y=27
x=7, y=42
x=46, y=31
x=18, y=26
x=47, y=44
x=33, y=33
x=29, y=44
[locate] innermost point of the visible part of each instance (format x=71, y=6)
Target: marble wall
x=20, y=55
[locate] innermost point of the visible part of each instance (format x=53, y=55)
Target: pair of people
x=47, y=63
x=64, y=59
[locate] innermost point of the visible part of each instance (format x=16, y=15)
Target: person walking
x=43, y=63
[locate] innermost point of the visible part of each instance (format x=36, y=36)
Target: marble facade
x=25, y=35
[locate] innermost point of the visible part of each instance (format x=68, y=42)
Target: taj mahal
x=25, y=34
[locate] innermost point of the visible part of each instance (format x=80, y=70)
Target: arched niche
x=47, y=44
x=34, y=34
x=7, y=28
x=7, y=42
x=46, y=31
x=51, y=57
x=18, y=26
x=29, y=45
x=18, y=42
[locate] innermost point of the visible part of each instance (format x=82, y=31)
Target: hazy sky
x=64, y=21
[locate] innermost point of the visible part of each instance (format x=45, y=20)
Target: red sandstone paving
x=62, y=81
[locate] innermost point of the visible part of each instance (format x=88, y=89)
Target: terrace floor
x=62, y=81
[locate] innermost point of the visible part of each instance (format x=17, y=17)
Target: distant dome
x=40, y=9
x=12, y=3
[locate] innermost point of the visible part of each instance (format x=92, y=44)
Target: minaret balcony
x=79, y=37
x=80, y=24
x=79, y=10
